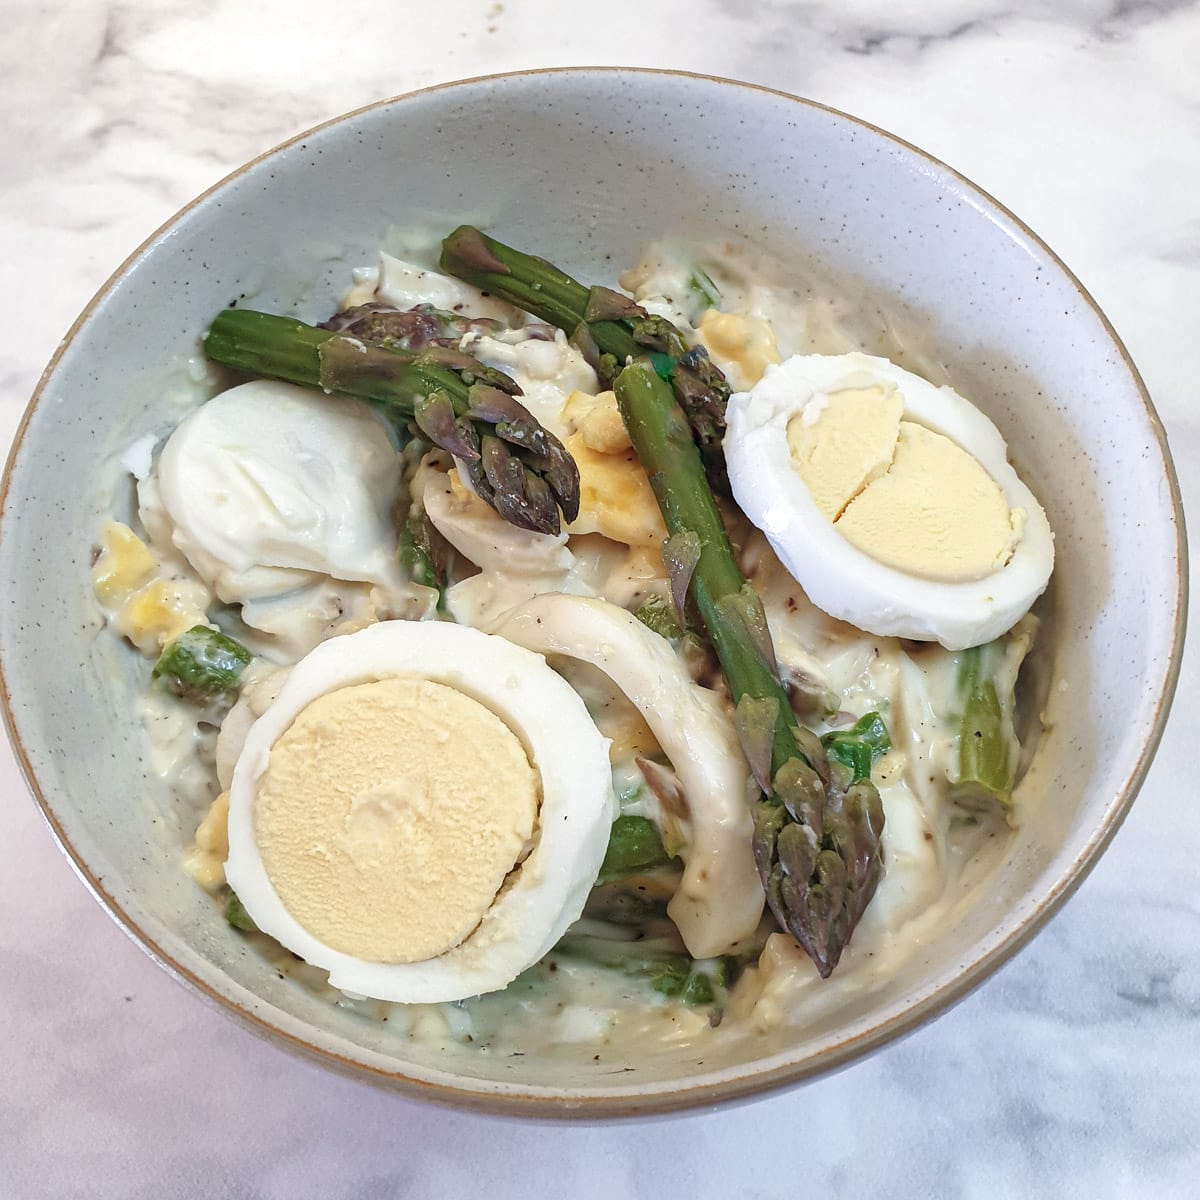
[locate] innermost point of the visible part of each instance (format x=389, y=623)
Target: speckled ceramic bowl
x=589, y=165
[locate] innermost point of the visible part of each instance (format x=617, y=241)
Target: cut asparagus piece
x=423, y=552
x=657, y=614
x=817, y=834
x=518, y=467
x=237, y=916
x=703, y=290
x=201, y=665
x=859, y=746
x=987, y=742
x=634, y=845
x=608, y=327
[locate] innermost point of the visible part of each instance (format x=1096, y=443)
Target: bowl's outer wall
x=587, y=167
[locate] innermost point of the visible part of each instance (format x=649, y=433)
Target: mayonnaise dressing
x=836, y=673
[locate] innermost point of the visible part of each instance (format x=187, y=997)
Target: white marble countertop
x=1076, y=1070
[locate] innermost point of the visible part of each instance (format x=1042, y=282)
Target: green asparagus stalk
x=518, y=467
x=817, y=833
x=416, y=553
x=607, y=326
x=201, y=665
x=987, y=743
x=633, y=845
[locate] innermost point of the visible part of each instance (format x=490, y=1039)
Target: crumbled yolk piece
x=145, y=608
x=125, y=563
x=742, y=346
x=205, y=862
x=158, y=613
x=598, y=421
x=615, y=497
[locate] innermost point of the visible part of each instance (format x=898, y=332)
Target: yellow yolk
x=743, y=347
x=158, y=613
x=125, y=563
x=909, y=497
x=205, y=862
x=598, y=420
x=144, y=607
x=615, y=497
x=842, y=445
x=391, y=814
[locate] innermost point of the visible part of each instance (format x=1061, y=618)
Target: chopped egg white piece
x=908, y=523
x=407, y=285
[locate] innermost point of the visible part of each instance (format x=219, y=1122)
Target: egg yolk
x=742, y=346
x=906, y=495
x=390, y=815
x=615, y=496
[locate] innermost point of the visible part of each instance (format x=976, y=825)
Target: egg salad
x=534, y=660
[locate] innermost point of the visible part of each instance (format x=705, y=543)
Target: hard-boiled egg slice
x=269, y=487
x=421, y=812
x=891, y=501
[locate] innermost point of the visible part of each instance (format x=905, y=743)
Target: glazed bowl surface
x=588, y=166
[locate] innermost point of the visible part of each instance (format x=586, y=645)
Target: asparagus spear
x=817, y=833
x=201, y=665
x=987, y=743
x=518, y=467
x=608, y=327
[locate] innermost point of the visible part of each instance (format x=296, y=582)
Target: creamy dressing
x=836, y=672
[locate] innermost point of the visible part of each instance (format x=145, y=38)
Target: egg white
x=843, y=580
x=269, y=487
x=542, y=896
x=720, y=898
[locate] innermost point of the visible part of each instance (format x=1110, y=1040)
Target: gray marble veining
x=1076, y=1070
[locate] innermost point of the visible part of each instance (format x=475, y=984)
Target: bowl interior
x=589, y=166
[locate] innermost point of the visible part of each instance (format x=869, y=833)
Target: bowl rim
x=547, y=1102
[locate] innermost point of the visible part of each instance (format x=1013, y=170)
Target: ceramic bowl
x=589, y=166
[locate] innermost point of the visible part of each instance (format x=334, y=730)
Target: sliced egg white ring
x=542, y=896
x=843, y=580
x=720, y=898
